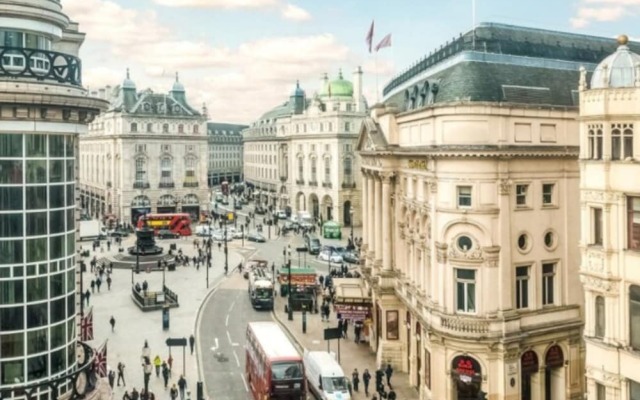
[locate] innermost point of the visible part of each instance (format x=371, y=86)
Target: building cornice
x=477, y=151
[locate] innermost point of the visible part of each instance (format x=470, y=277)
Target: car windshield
x=263, y=293
x=286, y=370
x=332, y=384
x=315, y=242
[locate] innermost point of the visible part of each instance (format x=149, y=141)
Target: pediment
x=371, y=137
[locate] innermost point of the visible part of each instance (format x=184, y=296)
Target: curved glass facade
x=37, y=257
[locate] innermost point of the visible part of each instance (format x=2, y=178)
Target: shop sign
x=554, y=357
x=298, y=279
x=466, y=366
x=352, y=311
x=529, y=362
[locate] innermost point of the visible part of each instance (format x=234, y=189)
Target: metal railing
x=190, y=184
x=166, y=185
x=42, y=65
x=141, y=185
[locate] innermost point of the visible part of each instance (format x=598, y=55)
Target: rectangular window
x=522, y=287
x=464, y=196
x=601, y=392
x=548, y=284
x=616, y=144
x=596, y=226
x=521, y=195
x=633, y=222
x=327, y=170
x=347, y=126
x=466, y=290
x=600, y=317
x=634, y=390
x=547, y=193
x=595, y=142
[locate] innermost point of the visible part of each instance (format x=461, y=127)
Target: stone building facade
x=43, y=110
x=471, y=192
x=225, y=152
x=302, y=154
x=610, y=216
x=147, y=153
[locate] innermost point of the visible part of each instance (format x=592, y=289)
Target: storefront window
x=36, y=145
x=11, y=318
x=12, y=252
x=11, y=292
x=56, y=146
x=58, y=361
x=56, y=199
x=37, y=367
x=57, y=221
x=36, y=171
x=12, y=372
x=37, y=315
x=37, y=249
x=11, y=171
x=56, y=247
x=10, y=145
x=36, y=288
x=56, y=171
x=58, y=310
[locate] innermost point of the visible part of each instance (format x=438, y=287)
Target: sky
x=243, y=57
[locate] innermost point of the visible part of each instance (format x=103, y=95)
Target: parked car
x=256, y=237
x=333, y=257
x=260, y=210
x=237, y=205
x=119, y=233
x=219, y=236
x=281, y=214
x=351, y=257
x=237, y=235
x=167, y=234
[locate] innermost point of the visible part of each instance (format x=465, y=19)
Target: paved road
x=222, y=337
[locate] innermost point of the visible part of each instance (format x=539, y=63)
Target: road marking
x=246, y=388
x=214, y=348
x=231, y=306
x=226, y=321
x=237, y=359
x=231, y=341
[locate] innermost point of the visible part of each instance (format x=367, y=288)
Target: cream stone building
x=147, y=153
x=471, y=193
x=225, y=152
x=610, y=215
x=302, y=154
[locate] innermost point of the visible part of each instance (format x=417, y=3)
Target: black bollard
x=304, y=321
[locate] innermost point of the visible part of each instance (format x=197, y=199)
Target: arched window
x=134, y=127
x=149, y=128
x=180, y=128
x=165, y=128
x=196, y=129
x=634, y=316
x=627, y=143
x=600, y=317
x=616, y=144
x=141, y=170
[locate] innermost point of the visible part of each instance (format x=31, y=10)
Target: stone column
x=377, y=234
x=364, y=207
x=386, y=221
x=371, y=213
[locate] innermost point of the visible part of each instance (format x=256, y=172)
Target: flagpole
x=375, y=63
x=473, y=21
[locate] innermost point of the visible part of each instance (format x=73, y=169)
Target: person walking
x=112, y=378
x=355, y=378
x=112, y=321
x=182, y=385
x=87, y=294
x=126, y=396
x=93, y=286
x=192, y=342
x=134, y=394
x=109, y=280
x=98, y=283
x=391, y=395
x=170, y=363
x=165, y=374
x=366, y=377
x=157, y=362
x=388, y=372
x=173, y=393
x=121, y=374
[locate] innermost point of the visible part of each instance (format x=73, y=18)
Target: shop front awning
x=352, y=299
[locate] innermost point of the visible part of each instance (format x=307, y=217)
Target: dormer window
x=146, y=107
x=165, y=128
x=180, y=128
x=149, y=128
x=134, y=127
x=195, y=129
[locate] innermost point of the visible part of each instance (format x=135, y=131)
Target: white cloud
x=227, y=4
x=589, y=11
x=295, y=13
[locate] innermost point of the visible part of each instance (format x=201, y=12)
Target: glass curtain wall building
x=43, y=108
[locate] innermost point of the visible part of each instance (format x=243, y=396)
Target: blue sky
x=243, y=57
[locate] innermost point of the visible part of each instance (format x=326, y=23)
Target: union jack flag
x=86, y=326
x=100, y=362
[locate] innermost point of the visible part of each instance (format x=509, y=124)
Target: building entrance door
x=554, y=374
x=529, y=365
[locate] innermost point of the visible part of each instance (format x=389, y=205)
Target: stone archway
x=301, y=202
x=314, y=205
x=166, y=204
x=347, y=218
x=191, y=206
x=327, y=207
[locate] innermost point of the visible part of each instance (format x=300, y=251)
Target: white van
x=325, y=376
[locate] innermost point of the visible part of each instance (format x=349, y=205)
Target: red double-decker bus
x=274, y=368
x=176, y=223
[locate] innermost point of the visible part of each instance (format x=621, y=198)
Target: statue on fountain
x=145, y=242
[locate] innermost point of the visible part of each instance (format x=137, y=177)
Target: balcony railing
x=327, y=185
x=40, y=64
x=299, y=181
x=190, y=184
x=283, y=179
x=166, y=185
x=313, y=183
x=348, y=185
x=141, y=185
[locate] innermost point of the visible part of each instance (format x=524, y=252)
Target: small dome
x=298, y=90
x=620, y=69
x=337, y=87
x=177, y=86
x=128, y=83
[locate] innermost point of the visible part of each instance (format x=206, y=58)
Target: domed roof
x=298, y=90
x=128, y=83
x=337, y=87
x=620, y=69
x=177, y=86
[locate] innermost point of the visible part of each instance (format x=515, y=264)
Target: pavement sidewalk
x=352, y=355
x=133, y=326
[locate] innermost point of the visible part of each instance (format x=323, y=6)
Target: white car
x=326, y=256
x=281, y=214
x=238, y=235
x=219, y=236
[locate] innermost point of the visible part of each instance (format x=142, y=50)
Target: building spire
x=177, y=77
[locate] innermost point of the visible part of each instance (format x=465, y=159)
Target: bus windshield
x=332, y=384
x=286, y=370
x=263, y=293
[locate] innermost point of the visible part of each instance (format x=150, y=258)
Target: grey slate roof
x=216, y=128
x=508, y=64
x=148, y=103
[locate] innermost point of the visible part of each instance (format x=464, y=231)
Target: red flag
x=100, y=362
x=385, y=42
x=86, y=326
x=369, y=39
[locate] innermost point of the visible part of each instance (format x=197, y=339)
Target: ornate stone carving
x=593, y=196
x=474, y=254
x=594, y=261
x=371, y=161
x=433, y=186
x=505, y=187
x=386, y=177
x=441, y=252
x=599, y=285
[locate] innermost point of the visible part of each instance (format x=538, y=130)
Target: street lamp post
x=290, y=311
x=226, y=257
x=351, y=222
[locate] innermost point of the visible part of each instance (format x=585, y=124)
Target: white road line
x=229, y=337
x=231, y=306
x=226, y=321
x=246, y=388
x=237, y=359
